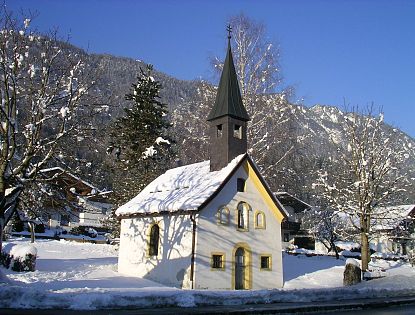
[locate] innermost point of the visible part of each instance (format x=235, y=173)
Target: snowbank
x=74, y=275
x=3, y=278
x=99, y=298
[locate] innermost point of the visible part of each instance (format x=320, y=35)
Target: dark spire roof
x=228, y=99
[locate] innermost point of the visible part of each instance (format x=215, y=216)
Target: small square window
x=219, y=131
x=217, y=261
x=240, y=184
x=266, y=262
x=237, y=131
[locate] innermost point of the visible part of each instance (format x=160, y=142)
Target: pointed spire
x=228, y=99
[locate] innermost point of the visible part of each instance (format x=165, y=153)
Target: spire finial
x=229, y=29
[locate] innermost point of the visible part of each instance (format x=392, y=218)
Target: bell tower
x=228, y=117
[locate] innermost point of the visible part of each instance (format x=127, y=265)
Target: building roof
x=289, y=200
x=69, y=177
x=183, y=188
x=228, y=98
x=75, y=185
x=186, y=189
x=388, y=218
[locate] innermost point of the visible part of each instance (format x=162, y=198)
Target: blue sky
x=333, y=52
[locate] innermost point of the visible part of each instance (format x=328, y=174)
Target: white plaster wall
x=92, y=219
x=212, y=237
x=382, y=244
x=94, y=206
x=172, y=266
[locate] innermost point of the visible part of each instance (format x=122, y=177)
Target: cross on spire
x=229, y=29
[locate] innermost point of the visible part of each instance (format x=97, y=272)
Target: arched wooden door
x=240, y=269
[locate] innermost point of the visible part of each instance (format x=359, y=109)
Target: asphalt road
x=381, y=306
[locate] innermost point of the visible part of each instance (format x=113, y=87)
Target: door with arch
x=240, y=269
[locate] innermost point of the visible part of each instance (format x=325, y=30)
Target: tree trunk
x=32, y=231
x=2, y=210
x=333, y=246
x=364, y=250
x=1, y=232
x=7, y=207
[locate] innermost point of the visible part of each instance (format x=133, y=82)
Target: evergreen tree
x=140, y=140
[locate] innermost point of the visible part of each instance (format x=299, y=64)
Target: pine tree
x=140, y=140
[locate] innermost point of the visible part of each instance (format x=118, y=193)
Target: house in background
x=209, y=225
x=75, y=202
x=291, y=232
x=394, y=229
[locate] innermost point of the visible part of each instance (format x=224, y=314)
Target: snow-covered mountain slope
x=311, y=132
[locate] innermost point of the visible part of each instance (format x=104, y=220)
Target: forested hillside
x=290, y=143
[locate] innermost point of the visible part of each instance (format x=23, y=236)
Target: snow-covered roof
x=388, y=218
x=184, y=188
x=58, y=169
x=288, y=199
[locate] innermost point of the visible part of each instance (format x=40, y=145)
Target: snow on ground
x=84, y=276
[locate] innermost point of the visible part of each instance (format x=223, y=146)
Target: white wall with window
x=265, y=261
x=175, y=247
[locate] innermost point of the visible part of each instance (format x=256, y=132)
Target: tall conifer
x=139, y=139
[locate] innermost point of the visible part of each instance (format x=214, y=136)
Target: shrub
x=28, y=263
x=18, y=226
x=5, y=259
x=77, y=230
x=84, y=230
x=19, y=257
x=39, y=228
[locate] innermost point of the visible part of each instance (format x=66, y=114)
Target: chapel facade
x=209, y=225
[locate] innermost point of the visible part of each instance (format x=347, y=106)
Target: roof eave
x=224, y=182
x=155, y=213
x=268, y=189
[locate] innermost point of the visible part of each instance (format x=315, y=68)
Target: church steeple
x=228, y=117
x=228, y=99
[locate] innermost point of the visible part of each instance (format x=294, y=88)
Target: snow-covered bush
x=77, y=230
x=19, y=257
x=84, y=230
x=91, y=232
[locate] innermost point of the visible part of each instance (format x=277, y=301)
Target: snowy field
x=84, y=276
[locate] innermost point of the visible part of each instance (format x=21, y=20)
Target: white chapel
x=208, y=225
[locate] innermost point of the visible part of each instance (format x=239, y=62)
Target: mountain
x=292, y=144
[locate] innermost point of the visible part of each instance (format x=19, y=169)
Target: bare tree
x=190, y=125
x=43, y=91
x=326, y=225
x=257, y=59
x=366, y=173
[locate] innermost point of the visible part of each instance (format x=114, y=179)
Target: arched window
x=223, y=216
x=260, y=220
x=240, y=184
x=153, y=246
x=243, y=216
